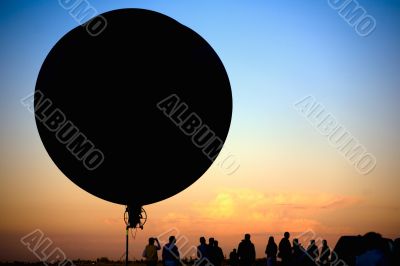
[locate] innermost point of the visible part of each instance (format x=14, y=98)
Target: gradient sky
x=290, y=178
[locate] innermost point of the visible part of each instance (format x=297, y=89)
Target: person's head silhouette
x=215, y=243
x=172, y=239
x=247, y=237
x=151, y=241
x=271, y=239
x=324, y=243
x=286, y=235
x=295, y=242
x=211, y=241
x=372, y=241
x=202, y=240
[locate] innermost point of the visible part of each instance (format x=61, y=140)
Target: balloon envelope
x=118, y=112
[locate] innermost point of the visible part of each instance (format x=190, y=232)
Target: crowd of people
x=289, y=254
x=296, y=254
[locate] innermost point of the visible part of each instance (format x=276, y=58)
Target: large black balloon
x=109, y=85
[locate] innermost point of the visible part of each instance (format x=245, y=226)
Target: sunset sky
x=290, y=177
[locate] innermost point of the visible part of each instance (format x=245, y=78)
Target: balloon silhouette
x=137, y=113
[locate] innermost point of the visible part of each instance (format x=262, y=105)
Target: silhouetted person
x=312, y=252
x=298, y=254
x=246, y=252
x=202, y=252
x=233, y=258
x=373, y=254
x=219, y=254
x=211, y=252
x=285, y=250
x=150, y=252
x=170, y=253
x=325, y=253
x=271, y=250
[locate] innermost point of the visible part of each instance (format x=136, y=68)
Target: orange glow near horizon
x=87, y=227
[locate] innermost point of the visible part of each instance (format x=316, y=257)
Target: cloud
x=234, y=211
x=223, y=206
x=244, y=208
x=341, y=202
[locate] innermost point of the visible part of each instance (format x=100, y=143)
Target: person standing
x=219, y=254
x=312, y=252
x=233, y=258
x=325, y=253
x=271, y=250
x=211, y=252
x=170, y=253
x=285, y=250
x=150, y=252
x=246, y=252
x=298, y=254
x=202, y=252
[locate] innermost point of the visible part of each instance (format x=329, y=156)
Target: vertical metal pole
x=127, y=242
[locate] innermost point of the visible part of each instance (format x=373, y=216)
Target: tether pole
x=134, y=215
